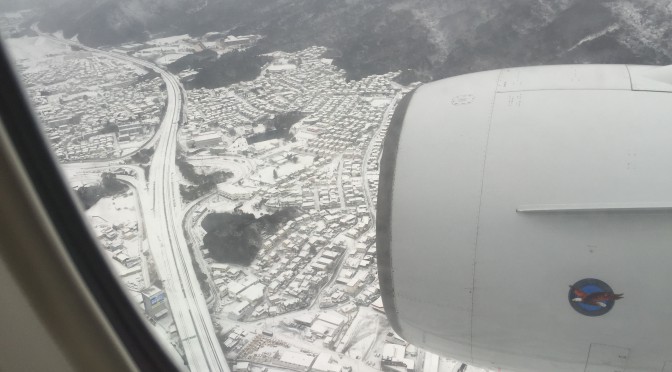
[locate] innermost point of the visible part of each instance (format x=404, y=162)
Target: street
x=166, y=241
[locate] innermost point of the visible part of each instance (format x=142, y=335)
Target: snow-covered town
x=92, y=107
x=300, y=141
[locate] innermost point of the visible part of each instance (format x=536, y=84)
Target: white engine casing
x=500, y=189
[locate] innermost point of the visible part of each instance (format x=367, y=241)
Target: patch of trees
x=194, y=61
x=230, y=68
x=409, y=76
x=197, y=151
x=95, y=23
x=203, y=183
x=151, y=74
x=277, y=127
x=189, y=172
x=202, y=279
x=26, y=32
x=191, y=192
x=332, y=53
x=109, y=186
x=109, y=128
x=284, y=121
x=214, y=36
x=145, y=167
x=294, y=158
x=236, y=238
x=143, y=156
x=385, y=41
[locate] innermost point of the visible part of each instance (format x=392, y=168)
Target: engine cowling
x=525, y=218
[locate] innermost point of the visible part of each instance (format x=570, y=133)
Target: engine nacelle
x=525, y=218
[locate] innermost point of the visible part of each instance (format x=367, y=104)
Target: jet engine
x=524, y=218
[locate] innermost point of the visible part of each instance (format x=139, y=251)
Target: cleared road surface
x=166, y=239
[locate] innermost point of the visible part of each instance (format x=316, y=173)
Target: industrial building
x=154, y=300
x=205, y=140
x=296, y=361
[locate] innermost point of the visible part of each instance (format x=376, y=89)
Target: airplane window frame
x=55, y=195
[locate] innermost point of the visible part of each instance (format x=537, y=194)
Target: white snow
x=169, y=40
x=114, y=209
x=281, y=67
x=34, y=48
x=169, y=58
x=596, y=35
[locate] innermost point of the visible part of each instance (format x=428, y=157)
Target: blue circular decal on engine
x=592, y=297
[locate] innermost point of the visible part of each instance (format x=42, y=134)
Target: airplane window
x=230, y=157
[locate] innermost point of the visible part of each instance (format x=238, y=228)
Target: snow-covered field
x=368, y=339
x=115, y=210
x=78, y=178
x=169, y=40
x=169, y=58
x=26, y=50
x=211, y=164
x=265, y=174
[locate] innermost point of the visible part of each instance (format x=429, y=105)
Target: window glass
x=226, y=153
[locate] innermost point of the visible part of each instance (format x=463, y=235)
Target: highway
x=187, y=303
x=166, y=238
x=162, y=207
x=339, y=183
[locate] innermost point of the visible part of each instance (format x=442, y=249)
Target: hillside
x=430, y=38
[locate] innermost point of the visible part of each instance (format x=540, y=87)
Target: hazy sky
x=12, y=5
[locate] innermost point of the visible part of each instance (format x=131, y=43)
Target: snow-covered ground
x=78, y=178
x=29, y=50
x=266, y=174
x=209, y=164
x=368, y=337
x=223, y=205
x=115, y=210
x=169, y=58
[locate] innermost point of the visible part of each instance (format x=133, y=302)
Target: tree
x=237, y=237
x=109, y=127
x=109, y=185
x=292, y=157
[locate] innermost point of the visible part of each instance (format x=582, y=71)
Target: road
x=339, y=182
x=164, y=224
x=367, y=155
x=189, y=222
x=166, y=240
x=187, y=303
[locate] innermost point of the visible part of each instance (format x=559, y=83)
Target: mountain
x=427, y=39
